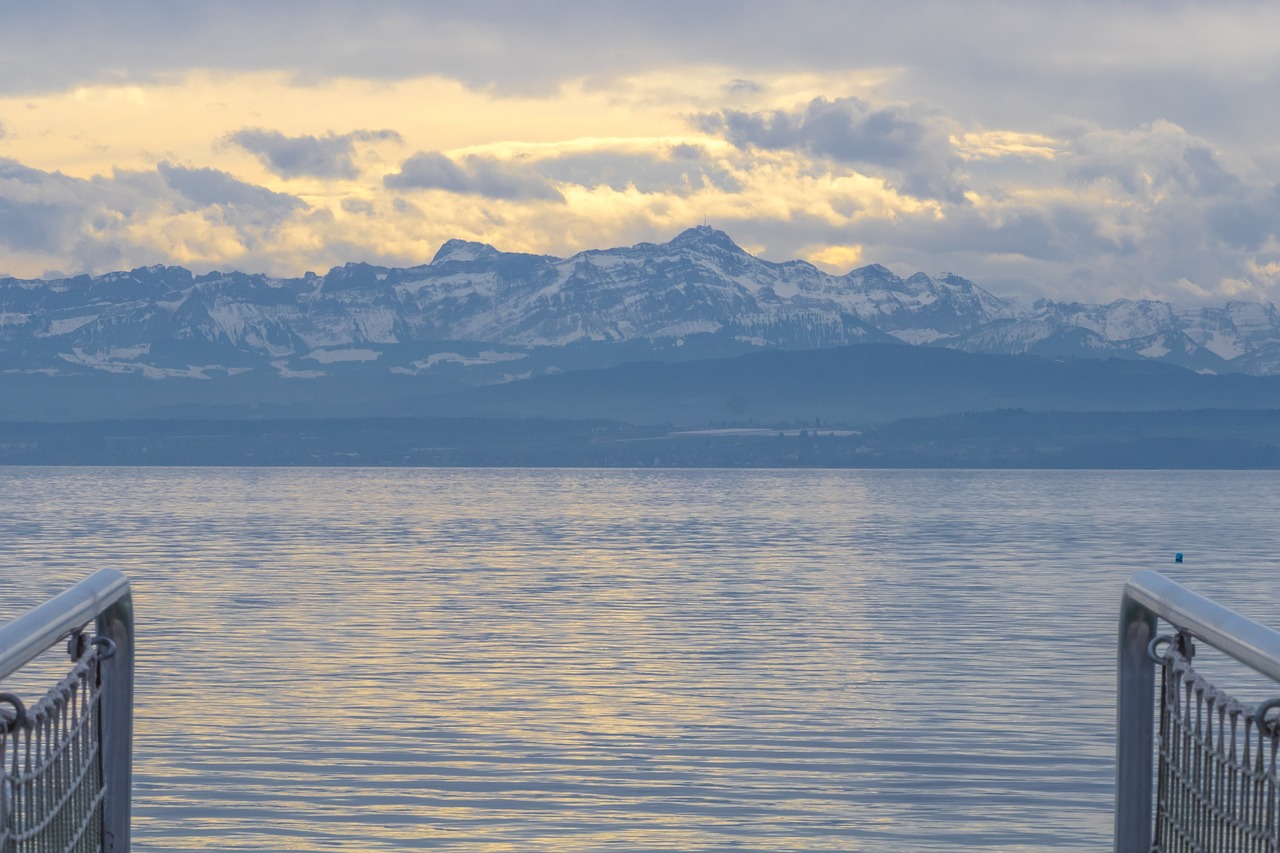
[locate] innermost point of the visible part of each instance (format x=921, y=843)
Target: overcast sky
x=1088, y=152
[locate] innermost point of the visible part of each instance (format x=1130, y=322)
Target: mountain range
x=476, y=316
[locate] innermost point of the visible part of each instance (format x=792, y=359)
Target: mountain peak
x=704, y=235
x=463, y=250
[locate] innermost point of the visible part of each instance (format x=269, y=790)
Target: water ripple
x=514, y=660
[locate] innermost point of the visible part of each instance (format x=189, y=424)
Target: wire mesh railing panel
x=52, y=789
x=1216, y=783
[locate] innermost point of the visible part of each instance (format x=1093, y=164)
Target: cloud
x=208, y=187
x=1001, y=144
x=1202, y=65
x=474, y=175
x=170, y=214
x=12, y=170
x=1088, y=213
x=45, y=212
x=913, y=146
x=386, y=38
x=328, y=156
x=1245, y=225
x=406, y=208
x=2, y=130
x=32, y=225
x=357, y=206
x=1061, y=206
x=739, y=86
x=1156, y=158
x=1115, y=214
x=680, y=169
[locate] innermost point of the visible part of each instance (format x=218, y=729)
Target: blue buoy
x=1177, y=558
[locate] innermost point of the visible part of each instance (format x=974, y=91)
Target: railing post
x=1135, y=710
x=116, y=623
x=104, y=598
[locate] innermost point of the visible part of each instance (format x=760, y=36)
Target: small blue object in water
x=1177, y=558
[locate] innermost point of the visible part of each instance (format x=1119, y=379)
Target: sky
x=1087, y=151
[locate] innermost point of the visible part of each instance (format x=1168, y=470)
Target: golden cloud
x=992, y=144
x=834, y=259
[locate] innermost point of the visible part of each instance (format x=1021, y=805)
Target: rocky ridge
x=474, y=306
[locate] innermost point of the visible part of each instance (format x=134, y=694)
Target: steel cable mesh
x=52, y=790
x=1216, y=787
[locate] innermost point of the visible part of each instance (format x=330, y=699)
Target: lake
x=619, y=660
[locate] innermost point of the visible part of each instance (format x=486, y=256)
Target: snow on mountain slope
x=165, y=319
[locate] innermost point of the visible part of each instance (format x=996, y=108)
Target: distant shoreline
x=1209, y=439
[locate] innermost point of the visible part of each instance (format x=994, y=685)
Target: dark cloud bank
x=473, y=175
x=912, y=144
x=328, y=156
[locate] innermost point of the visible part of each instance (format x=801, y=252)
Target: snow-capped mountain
x=475, y=306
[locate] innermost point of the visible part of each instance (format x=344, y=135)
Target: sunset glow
x=278, y=145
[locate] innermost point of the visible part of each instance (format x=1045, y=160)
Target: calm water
x=520, y=660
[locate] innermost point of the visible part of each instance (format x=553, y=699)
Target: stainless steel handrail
x=105, y=598
x=1148, y=596
x=31, y=634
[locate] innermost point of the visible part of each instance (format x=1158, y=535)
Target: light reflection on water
x=521, y=660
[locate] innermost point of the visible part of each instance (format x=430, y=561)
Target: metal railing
x=105, y=599
x=1148, y=596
